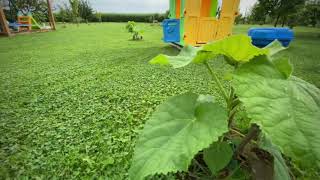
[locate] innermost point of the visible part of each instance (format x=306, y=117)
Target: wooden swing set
x=5, y=27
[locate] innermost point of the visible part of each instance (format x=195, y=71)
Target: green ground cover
x=72, y=101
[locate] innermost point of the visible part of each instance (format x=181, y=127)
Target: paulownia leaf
x=184, y=58
x=275, y=47
x=237, y=48
x=281, y=171
x=287, y=110
x=284, y=66
x=177, y=131
x=218, y=156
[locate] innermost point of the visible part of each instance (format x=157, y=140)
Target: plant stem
x=252, y=134
x=233, y=172
x=232, y=113
x=237, y=132
x=216, y=79
x=200, y=166
x=233, y=103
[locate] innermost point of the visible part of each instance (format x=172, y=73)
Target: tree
x=98, y=16
x=64, y=14
x=75, y=10
x=85, y=10
x=258, y=14
x=284, y=8
x=262, y=10
x=278, y=10
x=311, y=13
x=240, y=19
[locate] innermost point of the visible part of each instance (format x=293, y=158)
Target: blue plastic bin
x=171, y=30
x=261, y=37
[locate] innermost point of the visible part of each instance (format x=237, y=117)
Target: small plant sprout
x=136, y=33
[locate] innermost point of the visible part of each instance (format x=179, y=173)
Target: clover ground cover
x=72, y=101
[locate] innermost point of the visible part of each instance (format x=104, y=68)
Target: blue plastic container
x=171, y=30
x=261, y=37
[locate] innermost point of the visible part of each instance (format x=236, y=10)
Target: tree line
x=81, y=11
x=283, y=13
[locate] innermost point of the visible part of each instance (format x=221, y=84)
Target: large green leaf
x=218, y=156
x=284, y=66
x=237, y=48
x=288, y=110
x=178, y=130
x=281, y=171
x=184, y=58
x=275, y=47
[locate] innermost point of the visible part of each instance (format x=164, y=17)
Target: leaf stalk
x=216, y=79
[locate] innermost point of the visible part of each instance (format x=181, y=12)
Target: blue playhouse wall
x=171, y=30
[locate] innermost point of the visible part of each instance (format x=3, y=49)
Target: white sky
x=144, y=6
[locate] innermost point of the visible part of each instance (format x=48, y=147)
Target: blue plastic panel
x=171, y=30
x=261, y=37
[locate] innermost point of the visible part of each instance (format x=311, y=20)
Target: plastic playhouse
x=197, y=22
x=261, y=37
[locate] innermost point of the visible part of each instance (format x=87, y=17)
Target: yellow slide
x=35, y=23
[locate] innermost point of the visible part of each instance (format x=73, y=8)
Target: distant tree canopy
x=286, y=12
x=81, y=10
x=85, y=10
x=75, y=11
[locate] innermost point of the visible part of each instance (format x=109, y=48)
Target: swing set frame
x=5, y=27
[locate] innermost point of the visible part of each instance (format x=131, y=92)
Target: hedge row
x=112, y=17
x=108, y=17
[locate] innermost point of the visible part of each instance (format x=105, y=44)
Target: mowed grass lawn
x=72, y=101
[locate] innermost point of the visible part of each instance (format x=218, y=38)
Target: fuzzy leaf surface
x=237, y=48
x=177, y=131
x=275, y=47
x=284, y=66
x=287, y=110
x=184, y=58
x=218, y=156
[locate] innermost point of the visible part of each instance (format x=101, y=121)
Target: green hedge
x=113, y=17
x=108, y=17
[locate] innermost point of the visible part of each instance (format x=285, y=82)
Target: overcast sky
x=144, y=6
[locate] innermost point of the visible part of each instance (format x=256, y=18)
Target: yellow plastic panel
x=207, y=29
x=225, y=27
x=227, y=8
x=193, y=8
x=191, y=30
x=229, y=12
x=230, y=8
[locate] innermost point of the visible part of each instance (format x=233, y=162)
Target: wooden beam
x=51, y=17
x=4, y=24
